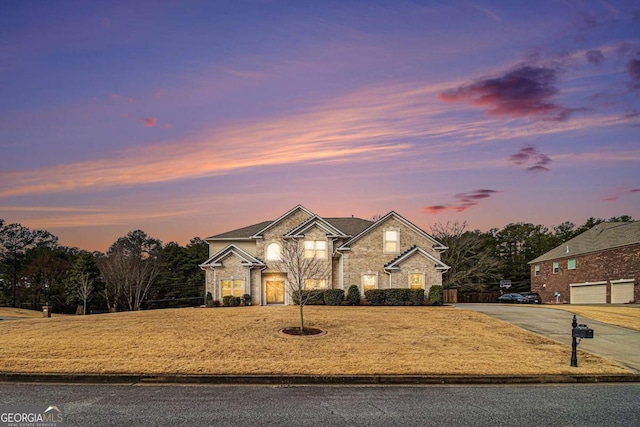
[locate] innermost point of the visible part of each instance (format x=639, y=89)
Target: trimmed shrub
x=215, y=303
x=397, y=296
x=228, y=300
x=435, y=295
x=237, y=301
x=353, y=295
x=375, y=296
x=315, y=297
x=208, y=300
x=416, y=296
x=333, y=296
x=246, y=299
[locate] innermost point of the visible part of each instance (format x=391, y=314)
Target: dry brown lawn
x=627, y=317
x=19, y=313
x=244, y=340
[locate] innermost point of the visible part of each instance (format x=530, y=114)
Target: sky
x=192, y=118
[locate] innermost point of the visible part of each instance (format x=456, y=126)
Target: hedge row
x=320, y=297
x=395, y=296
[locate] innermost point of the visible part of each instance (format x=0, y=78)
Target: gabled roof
x=395, y=263
x=436, y=244
x=241, y=233
x=315, y=220
x=259, y=234
x=247, y=259
x=606, y=235
x=349, y=226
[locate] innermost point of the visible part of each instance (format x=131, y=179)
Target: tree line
x=479, y=260
x=136, y=272
x=139, y=271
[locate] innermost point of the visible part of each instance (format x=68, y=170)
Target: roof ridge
x=401, y=255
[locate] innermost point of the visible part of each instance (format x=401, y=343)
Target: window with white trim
x=369, y=281
x=274, y=252
x=416, y=280
x=311, y=284
x=315, y=249
x=391, y=241
x=232, y=287
x=556, y=268
x=536, y=269
x=571, y=264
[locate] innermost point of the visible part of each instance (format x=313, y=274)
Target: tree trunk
x=301, y=317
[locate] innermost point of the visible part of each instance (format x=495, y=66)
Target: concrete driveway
x=621, y=345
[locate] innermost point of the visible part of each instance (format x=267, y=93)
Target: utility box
x=582, y=331
x=46, y=311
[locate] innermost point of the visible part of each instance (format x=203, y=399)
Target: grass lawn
x=19, y=313
x=244, y=340
x=627, y=317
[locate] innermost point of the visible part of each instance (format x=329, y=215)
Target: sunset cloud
x=369, y=125
x=150, y=122
x=595, y=57
x=526, y=91
x=622, y=192
x=529, y=155
x=463, y=201
x=633, y=69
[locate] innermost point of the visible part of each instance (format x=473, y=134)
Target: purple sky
x=190, y=118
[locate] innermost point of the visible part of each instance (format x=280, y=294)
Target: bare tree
x=129, y=269
x=302, y=267
x=84, y=289
x=470, y=254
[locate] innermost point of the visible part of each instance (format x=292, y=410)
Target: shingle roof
x=603, y=236
x=241, y=233
x=350, y=226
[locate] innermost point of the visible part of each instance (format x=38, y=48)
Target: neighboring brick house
x=388, y=253
x=601, y=265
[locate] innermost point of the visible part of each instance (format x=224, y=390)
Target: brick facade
x=602, y=266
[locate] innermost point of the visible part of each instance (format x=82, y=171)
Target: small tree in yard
x=302, y=266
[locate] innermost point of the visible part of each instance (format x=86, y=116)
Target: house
x=601, y=265
x=390, y=252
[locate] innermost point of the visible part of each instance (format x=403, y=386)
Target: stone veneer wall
x=611, y=264
x=366, y=256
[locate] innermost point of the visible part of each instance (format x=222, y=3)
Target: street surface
x=135, y=405
x=621, y=345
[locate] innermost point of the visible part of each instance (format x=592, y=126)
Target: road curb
x=284, y=380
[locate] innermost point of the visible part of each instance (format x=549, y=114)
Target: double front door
x=275, y=291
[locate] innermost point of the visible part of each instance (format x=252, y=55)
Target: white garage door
x=622, y=293
x=582, y=293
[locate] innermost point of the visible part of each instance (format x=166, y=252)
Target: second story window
x=391, y=241
x=315, y=249
x=274, y=252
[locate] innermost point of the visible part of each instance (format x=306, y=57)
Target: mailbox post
x=578, y=331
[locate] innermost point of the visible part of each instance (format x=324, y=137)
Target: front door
x=275, y=292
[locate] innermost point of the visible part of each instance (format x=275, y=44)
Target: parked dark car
x=533, y=297
x=512, y=298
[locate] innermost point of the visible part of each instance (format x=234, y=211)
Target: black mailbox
x=582, y=331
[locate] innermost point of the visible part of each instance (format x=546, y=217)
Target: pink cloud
x=621, y=192
x=463, y=201
x=530, y=154
x=168, y=126
x=525, y=91
x=150, y=122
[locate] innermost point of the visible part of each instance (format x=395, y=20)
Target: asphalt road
x=547, y=405
x=621, y=345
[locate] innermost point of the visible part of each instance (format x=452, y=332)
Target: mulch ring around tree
x=294, y=331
